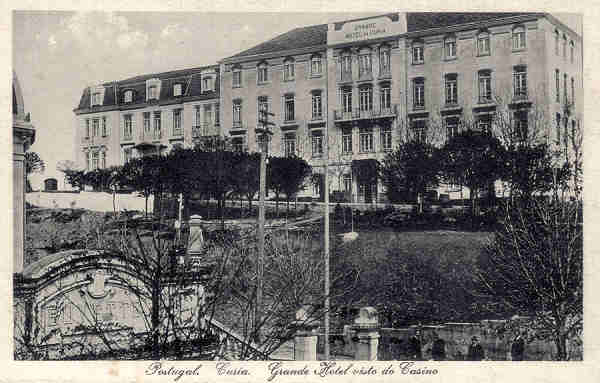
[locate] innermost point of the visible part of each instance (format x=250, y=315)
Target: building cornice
x=126, y=107
x=264, y=56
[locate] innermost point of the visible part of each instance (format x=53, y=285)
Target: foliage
x=247, y=180
x=534, y=266
x=473, y=159
x=286, y=175
x=413, y=167
x=34, y=163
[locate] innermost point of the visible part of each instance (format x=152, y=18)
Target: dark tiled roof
x=419, y=21
x=138, y=85
x=304, y=37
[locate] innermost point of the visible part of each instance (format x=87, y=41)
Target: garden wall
x=95, y=201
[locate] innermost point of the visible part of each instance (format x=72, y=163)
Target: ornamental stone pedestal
x=23, y=137
x=196, y=239
x=305, y=340
x=366, y=326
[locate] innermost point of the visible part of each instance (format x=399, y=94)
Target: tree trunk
x=146, y=201
x=155, y=320
x=561, y=346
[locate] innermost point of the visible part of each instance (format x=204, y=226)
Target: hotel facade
x=354, y=89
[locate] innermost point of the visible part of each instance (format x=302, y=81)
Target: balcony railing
x=237, y=125
x=157, y=134
x=204, y=130
x=520, y=95
x=357, y=114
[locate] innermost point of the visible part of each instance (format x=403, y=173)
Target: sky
x=57, y=54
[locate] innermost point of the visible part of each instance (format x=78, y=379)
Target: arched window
x=519, y=38
x=450, y=47
x=316, y=66
x=263, y=72
x=417, y=52
x=288, y=69
x=236, y=77
x=483, y=43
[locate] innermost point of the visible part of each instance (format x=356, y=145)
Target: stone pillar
x=196, y=239
x=366, y=326
x=23, y=137
x=305, y=340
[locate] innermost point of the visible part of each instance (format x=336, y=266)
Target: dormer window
x=128, y=96
x=152, y=92
x=207, y=84
x=177, y=90
x=96, y=98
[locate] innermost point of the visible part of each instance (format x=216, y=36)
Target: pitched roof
x=419, y=21
x=316, y=35
x=297, y=38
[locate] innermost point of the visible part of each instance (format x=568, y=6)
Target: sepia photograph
x=383, y=186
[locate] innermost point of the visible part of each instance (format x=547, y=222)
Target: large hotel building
x=356, y=85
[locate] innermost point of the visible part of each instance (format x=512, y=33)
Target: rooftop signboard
x=366, y=29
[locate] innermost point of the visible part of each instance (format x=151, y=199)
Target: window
x=237, y=113
x=557, y=81
x=317, y=106
x=564, y=47
x=572, y=52
x=417, y=53
x=146, y=123
x=128, y=96
x=558, y=128
x=153, y=92
x=95, y=127
x=450, y=47
x=237, y=78
x=217, y=114
x=483, y=44
x=263, y=73
x=263, y=142
x=317, y=143
x=451, y=89
x=103, y=160
x=485, y=86
x=565, y=88
x=364, y=64
x=87, y=128
x=177, y=128
x=365, y=136
x=556, y=42
x=348, y=183
x=127, y=155
x=263, y=106
x=451, y=126
x=520, y=82
x=96, y=98
x=366, y=98
x=88, y=164
x=157, y=125
x=419, y=128
x=419, y=93
x=347, y=141
x=238, y=144
x=127, y=127
x=518, y=38
x=315, y=65
x=95, y=160
x=386, y=138
x=521, y=124
x=572, y=91
x=207, y=84
x=207, y=117
x=346, y=65
x=289, y=144
x=385, y=96
x=177, y=90
x=104, y=130
x=288, y=70
x=347, y=99
x=384, y=60
x=484, y=123
x=289, y=112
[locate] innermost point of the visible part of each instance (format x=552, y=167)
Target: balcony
x=157, y=135
x=356, y=114
x=520, y=99
x=345, y=76
x=204, y=130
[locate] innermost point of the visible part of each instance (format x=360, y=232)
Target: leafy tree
x=33, y=164
x=142, y=175
x=413, y=167
x=247, y=180
x=286, y=175
x=473, y=159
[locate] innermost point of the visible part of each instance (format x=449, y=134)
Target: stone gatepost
x=366, y=326
x=196, y=239
x=305, y=340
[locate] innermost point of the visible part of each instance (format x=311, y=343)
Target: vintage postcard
x=284, y=196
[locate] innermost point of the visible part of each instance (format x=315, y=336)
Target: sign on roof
x=366, y=29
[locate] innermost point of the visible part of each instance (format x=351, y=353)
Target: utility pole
x=326, y=243
x=264, y=131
